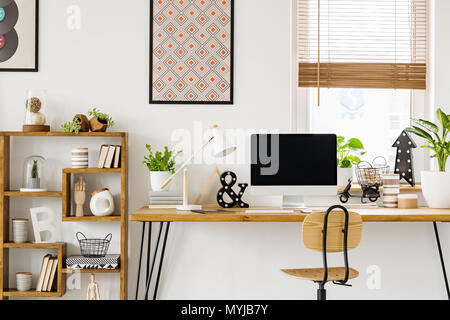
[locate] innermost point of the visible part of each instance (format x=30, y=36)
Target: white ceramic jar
x=102, y=203
x=20, y=230
x=23, y=280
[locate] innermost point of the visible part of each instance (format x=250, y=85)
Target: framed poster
x=191, y=51
x=19, y=20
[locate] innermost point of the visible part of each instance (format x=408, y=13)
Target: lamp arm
x=169, y=180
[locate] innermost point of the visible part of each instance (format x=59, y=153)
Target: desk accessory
x=102, y=202
x=391, y=190
x=227, y=188
x=93, y=248
x=370, y=192
x=435, y=185
x=20, y=230
x=404, y=158
x=220, y=150
x=80, y=158
x=408, y=201
x=79, y=196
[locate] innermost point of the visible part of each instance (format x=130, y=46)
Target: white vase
x=436, y=188
x=102, y=203
x=343, y=175
x=157, y=178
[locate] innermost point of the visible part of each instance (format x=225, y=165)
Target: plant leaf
x=442, y=117
x=430, y=126
x=420, y=132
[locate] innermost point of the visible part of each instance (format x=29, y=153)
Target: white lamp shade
x=220, y=144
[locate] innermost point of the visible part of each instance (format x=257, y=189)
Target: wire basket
x=370, y=174
x=93, y=248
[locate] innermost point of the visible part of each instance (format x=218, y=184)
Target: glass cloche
x=34, y=174
x=35, y=111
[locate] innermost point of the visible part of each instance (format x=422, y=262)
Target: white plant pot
x=157, y=178
x=343, y=175
x=436, y=189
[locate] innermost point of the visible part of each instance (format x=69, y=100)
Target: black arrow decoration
x=404, y=160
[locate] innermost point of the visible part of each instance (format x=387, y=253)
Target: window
x=361, y=69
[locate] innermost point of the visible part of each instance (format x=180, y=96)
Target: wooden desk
x=167, y=216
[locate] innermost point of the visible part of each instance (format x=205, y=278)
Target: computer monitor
x=293, y=165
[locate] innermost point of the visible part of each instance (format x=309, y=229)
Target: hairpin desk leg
x=140, y=259
x=162, y=260
x=149, y=277
x=436, y=232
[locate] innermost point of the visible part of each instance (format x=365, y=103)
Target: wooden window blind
x=362, y=43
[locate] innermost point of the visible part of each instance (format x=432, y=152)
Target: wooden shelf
x=91, y=170
x=31, y=293
x=30, y=245
x=65, y=194
x=91, y=219
x=62, y=134
x=65, y=270
x=48, y=194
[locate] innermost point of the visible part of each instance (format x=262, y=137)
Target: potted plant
x=99, y=121
x=161, y=166
x=347, y=153
x=435, y=184
x=72, y=126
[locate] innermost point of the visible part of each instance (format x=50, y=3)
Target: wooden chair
x=336, y=230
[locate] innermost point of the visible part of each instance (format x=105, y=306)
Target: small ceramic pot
x=23, y=280
x=344, y=174
x=80, y=158
x=97, y=126
x=436, y=189
x=102, y=203
x=157, y=178
x=20, y=230
x=84, y=122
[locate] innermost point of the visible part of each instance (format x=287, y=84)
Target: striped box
x=391, y=190
x=80, y=158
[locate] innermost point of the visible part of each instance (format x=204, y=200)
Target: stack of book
x=167, y=198
x=110, y=261
x=47, y=277
x=109, y=156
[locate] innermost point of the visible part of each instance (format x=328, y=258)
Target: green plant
x=72, y=126
x=102, y=117
x=34, y=170
x=440, y=145
x=347, y=151
x=160, y=161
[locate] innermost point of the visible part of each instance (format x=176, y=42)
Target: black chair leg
x=321, y=292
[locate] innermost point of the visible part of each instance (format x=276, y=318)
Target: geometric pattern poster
x=191, y=51
x=18, y=35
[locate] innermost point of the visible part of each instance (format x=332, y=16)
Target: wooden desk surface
x=238, y=215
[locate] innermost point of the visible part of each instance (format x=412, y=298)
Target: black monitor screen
x=293, y=160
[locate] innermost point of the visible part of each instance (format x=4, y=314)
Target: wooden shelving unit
x=6, y=193
x=61, y=277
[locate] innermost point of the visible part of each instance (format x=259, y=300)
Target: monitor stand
x=294, y=202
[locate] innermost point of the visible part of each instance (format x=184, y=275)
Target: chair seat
x=316, y=274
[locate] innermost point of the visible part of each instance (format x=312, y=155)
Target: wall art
x=191, y=56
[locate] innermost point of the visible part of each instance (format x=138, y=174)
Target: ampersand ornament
x=227, y=188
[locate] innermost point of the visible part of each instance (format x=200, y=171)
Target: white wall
x=105, y=64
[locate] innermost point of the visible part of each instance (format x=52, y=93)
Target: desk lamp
x=220, y=150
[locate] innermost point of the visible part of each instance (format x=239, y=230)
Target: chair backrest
x=312, y=232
